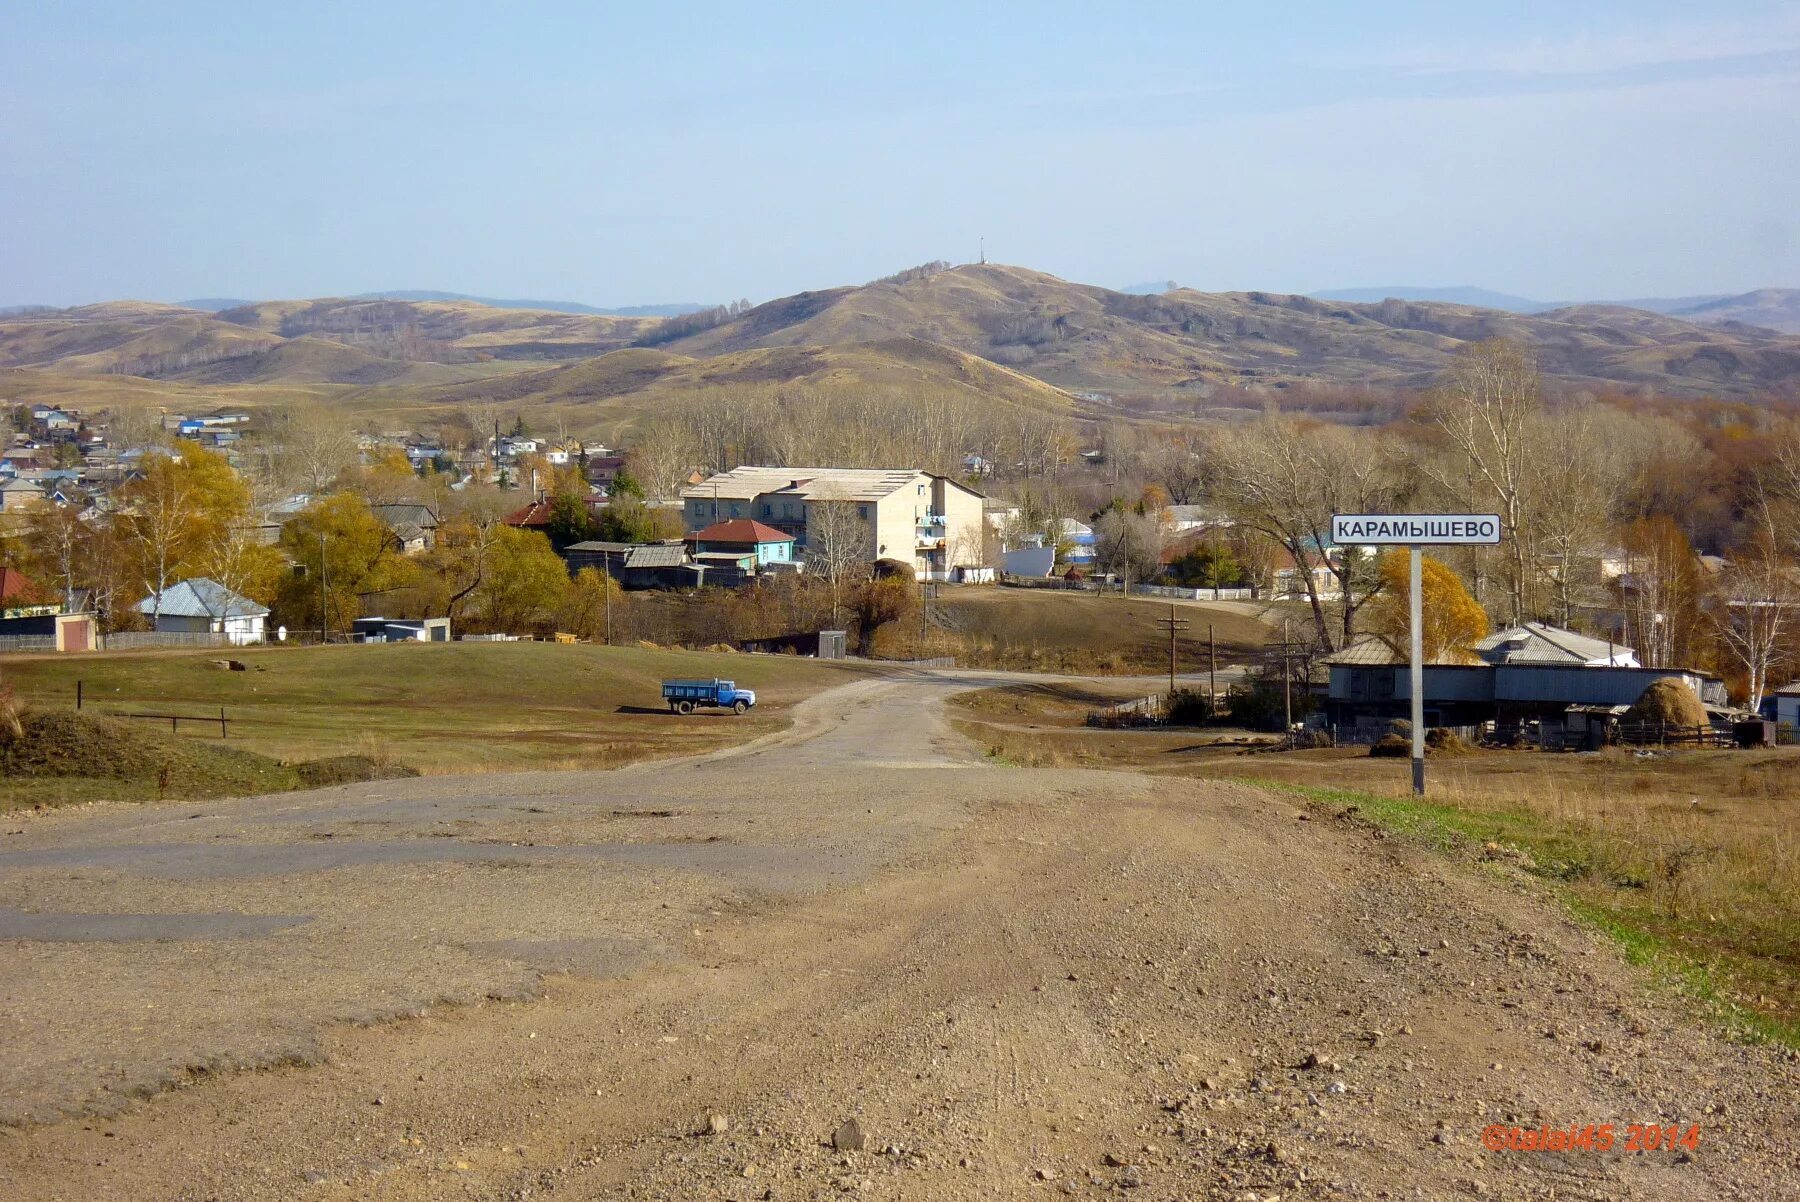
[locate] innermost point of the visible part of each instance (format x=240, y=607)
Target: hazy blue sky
x=622, y=154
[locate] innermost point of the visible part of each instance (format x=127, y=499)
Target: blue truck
x=684, y=695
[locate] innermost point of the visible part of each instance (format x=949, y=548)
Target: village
x=130, y=530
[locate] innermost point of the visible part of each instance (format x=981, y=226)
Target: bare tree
x=1286, y=478
x=1579, y=477
x=1755, y=612
x=316, y=446
x=663, y=458
x=839, y=543
x=1487, y=410
x=1128, y=544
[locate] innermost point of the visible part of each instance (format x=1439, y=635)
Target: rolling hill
x=1082, y=337
x=1005, y=334
x=641, y=379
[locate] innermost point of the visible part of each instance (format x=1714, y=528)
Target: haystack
x=1668, y=701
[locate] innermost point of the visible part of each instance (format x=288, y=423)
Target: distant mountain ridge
x=1167, y=352
x=1770, y=308
x=218, y=304
x=1481, y=298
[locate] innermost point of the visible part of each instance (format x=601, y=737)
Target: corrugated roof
x=422, y=515
x=657, y=555
x=832, y=483
x=202, y=598
x=1374, y=651
x=1540, y=643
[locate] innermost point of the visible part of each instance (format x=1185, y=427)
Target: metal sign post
x=1413, y=531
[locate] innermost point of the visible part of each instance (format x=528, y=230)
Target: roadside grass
x=432, y=708
x=1052, y=630
x=1727, y=943
x=1689, y=860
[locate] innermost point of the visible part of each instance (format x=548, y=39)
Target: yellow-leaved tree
x=1453, y=620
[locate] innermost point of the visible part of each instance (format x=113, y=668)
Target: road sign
x=1416, y=529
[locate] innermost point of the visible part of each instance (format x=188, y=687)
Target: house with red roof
x=744, y=537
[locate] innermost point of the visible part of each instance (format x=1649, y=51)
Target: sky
x=635, y=154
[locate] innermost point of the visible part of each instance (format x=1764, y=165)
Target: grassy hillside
x=1055, y=631
x=318, y=361
x=1083, y=337
x=448, y=331
x=436, y=708
x=642, y=379
x=1001, y=333
x=137, y=339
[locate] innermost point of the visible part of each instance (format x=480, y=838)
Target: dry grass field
x=1690, y=858
x=1050, y=630
x=433, y=708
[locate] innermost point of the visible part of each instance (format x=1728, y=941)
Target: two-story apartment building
x=928, y=521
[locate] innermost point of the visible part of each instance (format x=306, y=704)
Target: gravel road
x=680, y=980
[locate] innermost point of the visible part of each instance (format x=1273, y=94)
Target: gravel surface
x=849, y=959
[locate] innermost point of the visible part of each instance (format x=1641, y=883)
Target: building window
x=862, y=511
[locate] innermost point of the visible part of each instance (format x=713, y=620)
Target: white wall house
x=928, y=521
x=203, y=606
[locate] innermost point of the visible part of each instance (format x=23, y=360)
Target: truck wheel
x=684, y=707
x=738, y=707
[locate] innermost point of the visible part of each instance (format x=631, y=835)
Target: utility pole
x=1174, y=624
x=1416, y=674
x=324, y=594
x=921, y=617
x=1287, y=680
x=1212, y=667
x=606, y=591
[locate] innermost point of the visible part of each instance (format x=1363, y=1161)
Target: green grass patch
x=1719, y=966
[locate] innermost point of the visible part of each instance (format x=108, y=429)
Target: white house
x=203, y=606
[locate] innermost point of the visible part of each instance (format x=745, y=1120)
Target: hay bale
x=1441, y=742
x=647, y=645
x=1392, y=747
x=1668, y=701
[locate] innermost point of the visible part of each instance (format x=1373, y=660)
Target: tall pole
x=1171, y=648
x=606, y=585
x=324, y=595
x=1212, y=666
x=1287, y=681
x=1416, y=607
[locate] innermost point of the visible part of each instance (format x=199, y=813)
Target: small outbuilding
x=400, y=630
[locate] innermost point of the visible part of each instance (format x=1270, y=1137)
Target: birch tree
x=839, y=545
x=1487, y=410
x=1755, y=611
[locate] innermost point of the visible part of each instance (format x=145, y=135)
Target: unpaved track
x=1013, y=977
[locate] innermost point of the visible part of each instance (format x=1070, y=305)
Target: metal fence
x=1194, y=594
x=130, y=640
x=1139, y=711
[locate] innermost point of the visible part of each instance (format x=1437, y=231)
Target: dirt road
x=680, y=980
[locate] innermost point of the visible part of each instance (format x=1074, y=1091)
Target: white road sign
x=1416, y=529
